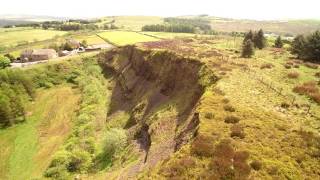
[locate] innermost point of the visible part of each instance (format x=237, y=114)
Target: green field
x=13, y=38
x=125, y=37
x=91, y=39
x=27, y=149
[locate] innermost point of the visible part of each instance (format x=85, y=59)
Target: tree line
x=307, y=47
x=169, y=28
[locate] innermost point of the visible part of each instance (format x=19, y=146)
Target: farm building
x=38, y=54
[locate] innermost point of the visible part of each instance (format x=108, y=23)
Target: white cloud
x=253, y=9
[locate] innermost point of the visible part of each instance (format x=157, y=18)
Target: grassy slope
x=14, y=37
x=125, y=37
x=26, y=149
x=271, y=132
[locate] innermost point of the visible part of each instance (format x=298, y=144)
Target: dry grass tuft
x=229, y=108
x=311, y=65
x=231, y=119
x=266, y=66
x=310, y=89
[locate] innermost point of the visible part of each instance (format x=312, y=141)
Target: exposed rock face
x=160, y=90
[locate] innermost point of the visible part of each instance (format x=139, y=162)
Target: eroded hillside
x=159, y=91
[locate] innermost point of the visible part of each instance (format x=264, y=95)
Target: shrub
x=266, y=66
x=317, y=74
x=256, y=165
x=237, y=131
x=293, y=75
x=231, y=119
x=79, y=161
x=115, y=142
x=229, y=108
x=241, y=167
x=296, y=66
x=4, y=62
x=202, y=146
x=315, y=97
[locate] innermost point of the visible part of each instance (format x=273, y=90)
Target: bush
x=202, y=146
x=285, y=105
x=237, y=131
x=229, y=108
x=293, y=75
x=79, y=161
x=115, y=142
x=256, y=165
x=296, y=66
x=317, y=74
x=4, y=62
x=231, y=119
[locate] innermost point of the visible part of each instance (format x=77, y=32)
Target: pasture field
x=125, y=37
x=13, y=38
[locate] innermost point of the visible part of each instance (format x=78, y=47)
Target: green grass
x=27, y=148
x=91, y=39
x=125, y=37
x=13, y=38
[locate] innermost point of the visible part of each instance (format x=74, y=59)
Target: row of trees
x=169, y=28
x=307, y=47
x=15, y=90
x=253, y=40
x=202, y=24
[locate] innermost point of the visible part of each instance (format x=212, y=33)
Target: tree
x=247, y=48
x=312, y=47
x=4, y=62
x=278, y=43
x=298, y=46
x=259, y=40
x=249, y=36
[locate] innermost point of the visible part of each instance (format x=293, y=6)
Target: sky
x=241, y=9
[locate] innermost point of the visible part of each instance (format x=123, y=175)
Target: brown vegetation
x=311, y=65
x=237, y=131
x=202, y=146
x=267, y=66
x=293, y=75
